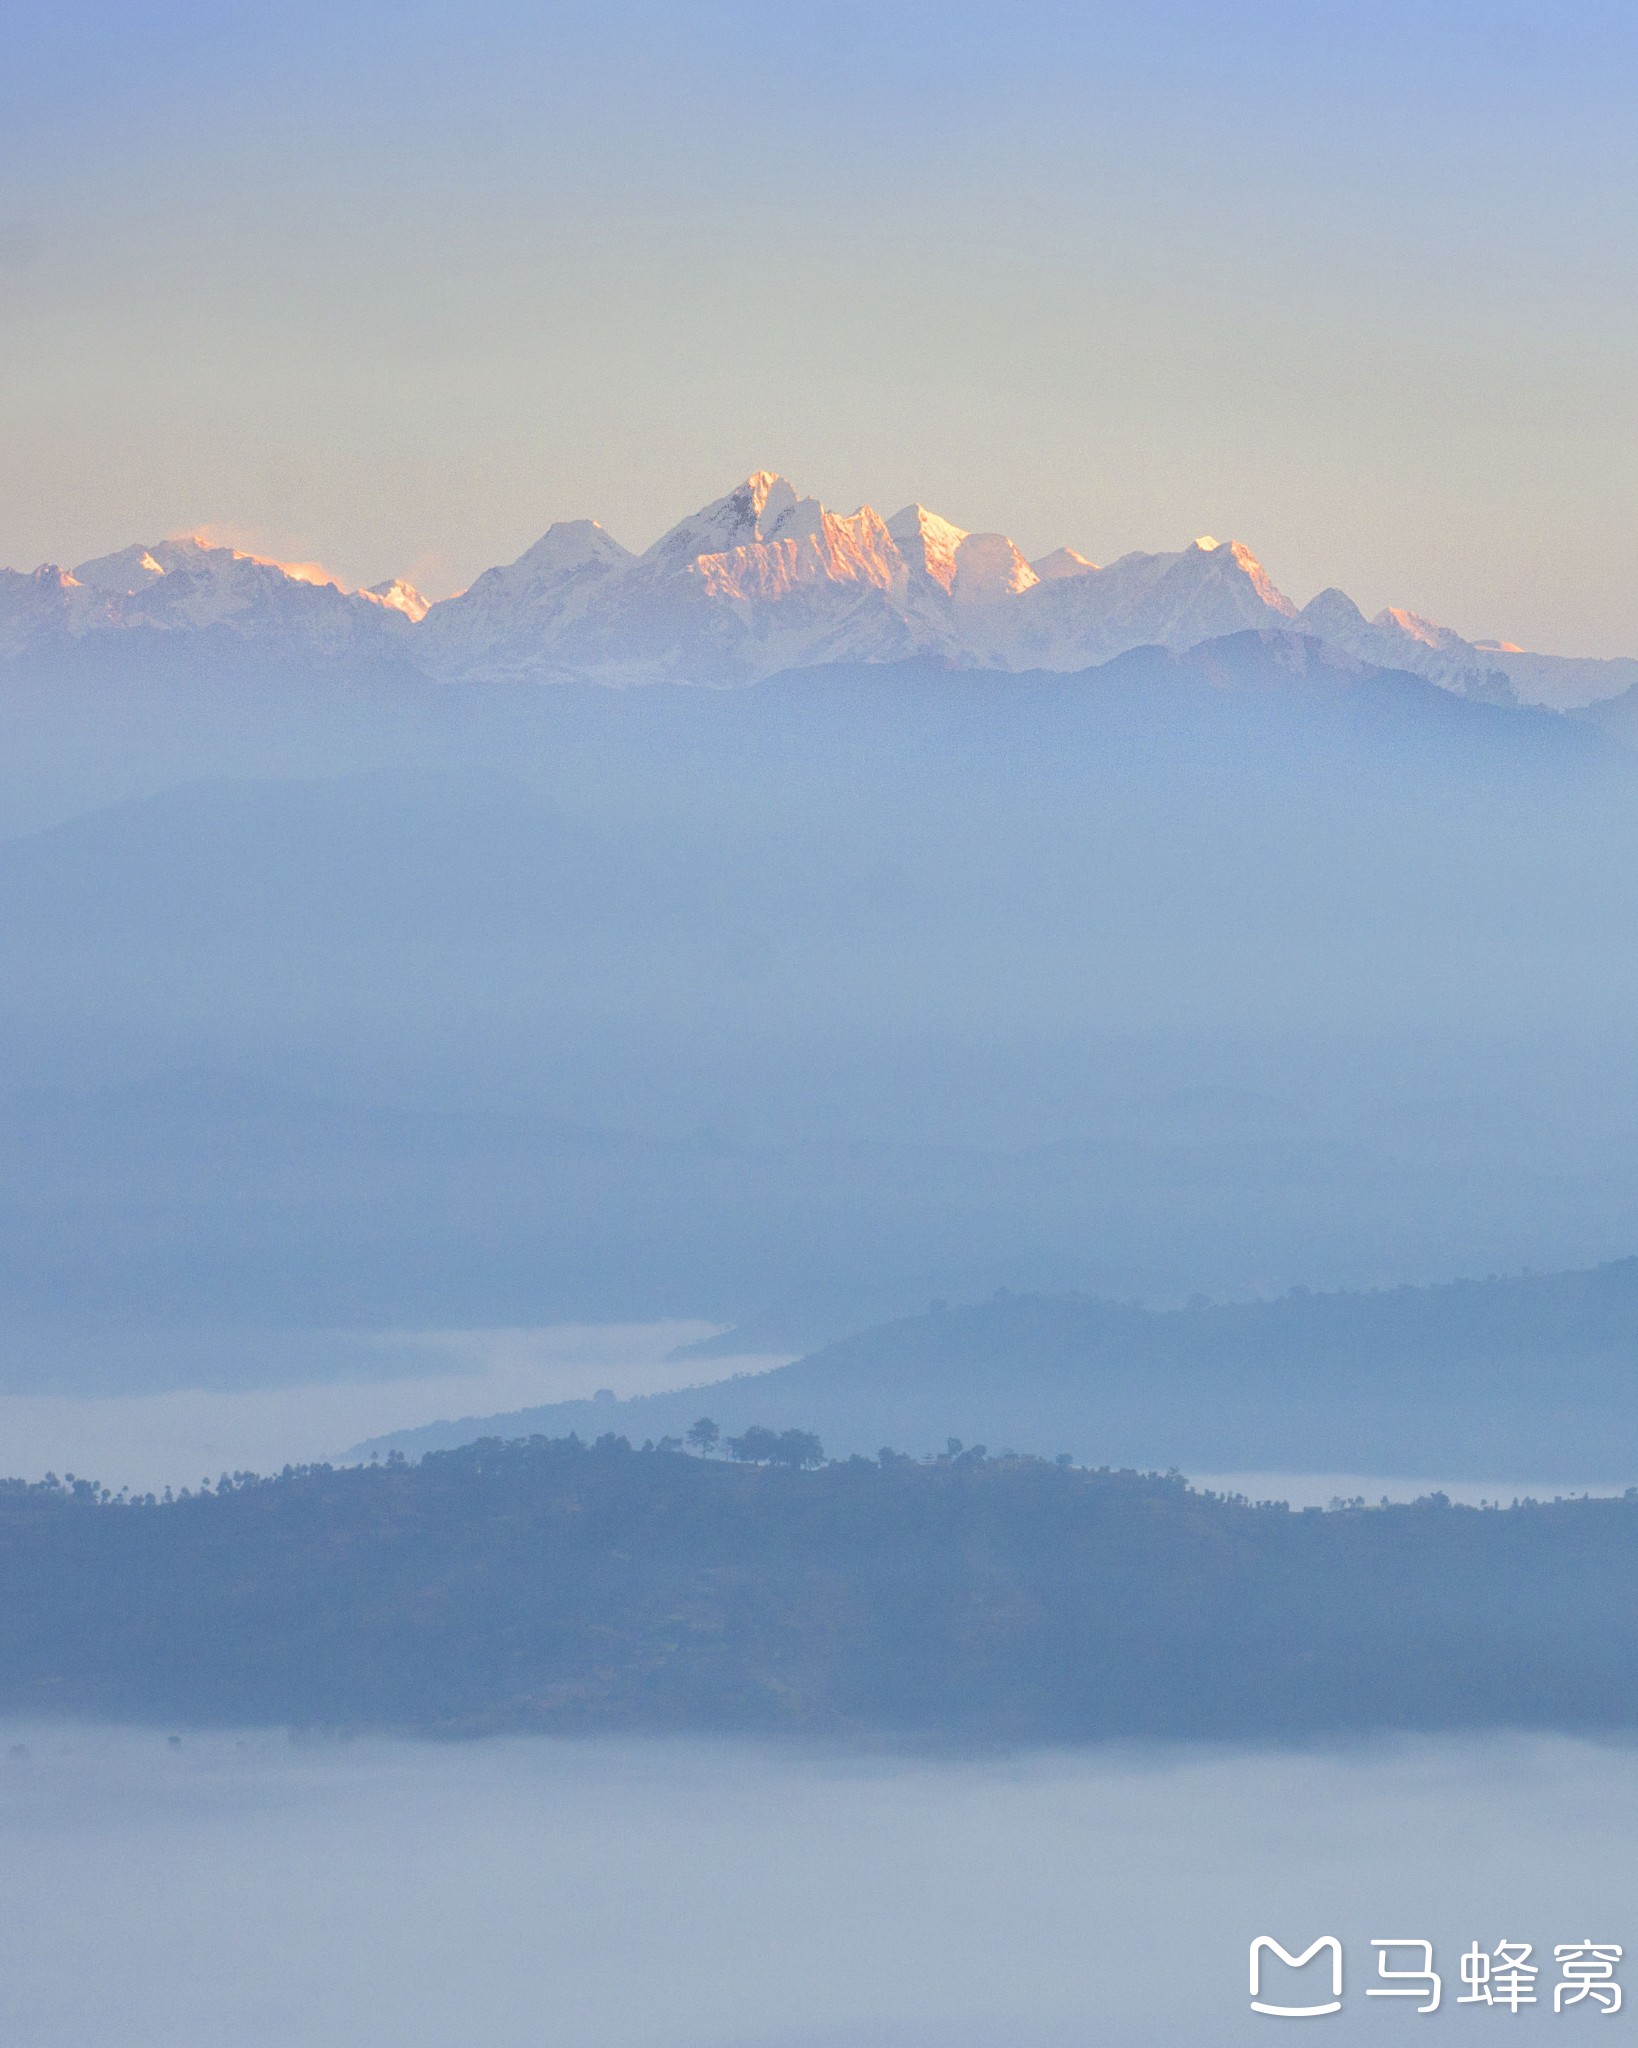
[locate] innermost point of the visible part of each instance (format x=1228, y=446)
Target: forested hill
x=553, y=1585
x=1530, y=1378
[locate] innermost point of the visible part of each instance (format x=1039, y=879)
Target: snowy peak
x=760, y=579
x=1402, y=639
x=573, y=544
x=399, y=596
x=988, y=569
x=567, y=548
x=189, y=585
x=927, y=543
x=1060, y=563
x=804, y=545
x=1331, y=613
x=1080, y=614
x=761, y=542
x=1412, y=626
x=509, y=615
x=1226, y=562
x=122, y=574
x=747, y=517
x=41, y=605
x=195, y=554
x=135, y=570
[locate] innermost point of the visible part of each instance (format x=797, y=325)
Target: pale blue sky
x=395, y=287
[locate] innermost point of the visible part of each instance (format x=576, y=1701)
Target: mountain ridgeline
x=757, y=581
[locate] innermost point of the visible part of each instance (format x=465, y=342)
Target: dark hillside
x=550, y=1585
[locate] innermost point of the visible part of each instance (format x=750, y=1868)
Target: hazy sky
x=396, y=287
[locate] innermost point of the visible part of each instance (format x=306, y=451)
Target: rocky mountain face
x=758, y=581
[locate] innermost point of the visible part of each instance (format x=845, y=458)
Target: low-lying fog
x=257, y=1890
x=360, y=1385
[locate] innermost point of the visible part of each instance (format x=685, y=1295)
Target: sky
x=394, y=288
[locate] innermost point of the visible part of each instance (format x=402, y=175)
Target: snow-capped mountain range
x=758, y=581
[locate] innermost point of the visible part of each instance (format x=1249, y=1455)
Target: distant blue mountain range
x=354, y=1000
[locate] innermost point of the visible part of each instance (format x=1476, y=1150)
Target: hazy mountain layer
x=475, y=1005
x=1525, y=1379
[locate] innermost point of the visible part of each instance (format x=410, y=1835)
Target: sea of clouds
x=278, y=1893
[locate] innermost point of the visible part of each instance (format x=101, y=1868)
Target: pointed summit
x=399, y=596
x=1060, y=563
x=1414, y=627
x=1231, y=561
x=570, y=544
x=500, y=624
x=927, y=542
x=745, y=517
x=988, y=569
x=1330, y=614
x=125, y=573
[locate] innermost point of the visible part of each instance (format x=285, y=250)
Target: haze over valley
x=341, y=999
